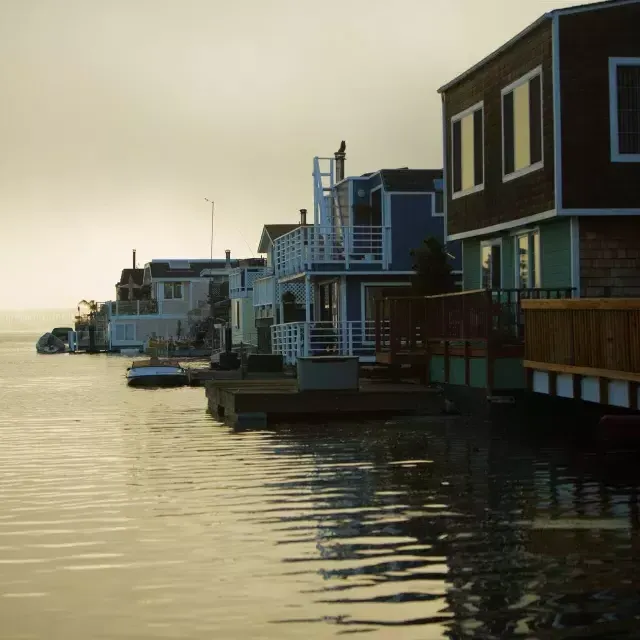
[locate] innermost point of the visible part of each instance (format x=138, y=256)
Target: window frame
x=123, y=326
x=172, y=286
x=614, y=63
x=478, y=106
x=529, y=233
x=492, y=242
x=536, y=166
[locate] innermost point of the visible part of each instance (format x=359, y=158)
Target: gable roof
x=136, y=275
x=272, y=232
x=578, y=8
x=187, y=269
x=412, y=179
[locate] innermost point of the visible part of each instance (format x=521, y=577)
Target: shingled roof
x=273, y=231
x=412, y=179
x=187, y=269
x=136, y=275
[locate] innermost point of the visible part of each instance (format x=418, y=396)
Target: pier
x=258, y=403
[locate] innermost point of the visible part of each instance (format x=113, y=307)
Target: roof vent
x=179, y=265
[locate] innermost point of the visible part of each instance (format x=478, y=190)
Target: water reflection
x=133, y=515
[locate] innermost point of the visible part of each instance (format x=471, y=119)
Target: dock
x=261, y=402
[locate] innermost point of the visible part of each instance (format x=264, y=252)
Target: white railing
x=323, y=183
x=133, y=308
x=264, y=291
x=301, y=249
x=295, y=339
x=241, y=281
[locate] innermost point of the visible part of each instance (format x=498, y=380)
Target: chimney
x=134, y=258
x=340, y=156
x=303, y=216
x=227, y=254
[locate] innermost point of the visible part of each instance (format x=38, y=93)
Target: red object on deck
x=620, y=427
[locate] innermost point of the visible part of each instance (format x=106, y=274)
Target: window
x=438, y=203
x=125, y=332
x=173, y=290
x=236, y=314
x=624, y=109
x=522, y=126
x=491, y=264
x=467, y=151
x=528, y=260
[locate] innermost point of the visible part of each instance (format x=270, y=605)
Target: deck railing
x=295, y=339
x=264, y=291
x=410, y=323
x=301, y=249
x=133, y=307
x=589, y=333
x=242, y=281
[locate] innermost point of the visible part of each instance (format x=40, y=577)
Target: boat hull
x=167, y=380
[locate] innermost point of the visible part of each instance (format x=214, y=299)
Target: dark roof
x=137, y=275
x=186, y=268
x=412, y=179
x=274, y=231
x=606, y=4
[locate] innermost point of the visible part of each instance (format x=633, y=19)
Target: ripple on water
x=134, y=515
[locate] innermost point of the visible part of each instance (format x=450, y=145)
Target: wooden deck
x=256, y=403
x=586, y=349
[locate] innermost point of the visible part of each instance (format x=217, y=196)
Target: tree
x=433, y=271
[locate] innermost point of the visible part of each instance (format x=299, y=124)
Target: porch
x=474, y=338
x=316, y=248
x=586, y=349
x=295, y=339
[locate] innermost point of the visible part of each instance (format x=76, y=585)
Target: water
x=131, y=514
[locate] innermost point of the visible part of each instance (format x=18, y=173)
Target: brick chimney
x=303, y=216
x=227, y=255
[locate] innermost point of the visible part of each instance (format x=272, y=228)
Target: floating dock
x=259, y=402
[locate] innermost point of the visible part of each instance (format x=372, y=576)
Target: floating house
x=173, y=294
x=541, y=156
x=242, y=312
x=326, y=273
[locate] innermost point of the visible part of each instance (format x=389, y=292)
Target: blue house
x=326, y=274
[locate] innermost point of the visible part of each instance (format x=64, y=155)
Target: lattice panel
x=297, y=288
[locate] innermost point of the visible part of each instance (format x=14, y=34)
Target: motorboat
x=49, y=344
x=155, y=373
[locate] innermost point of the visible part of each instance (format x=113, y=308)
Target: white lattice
x=297, y=288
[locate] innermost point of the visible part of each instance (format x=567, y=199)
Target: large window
x=624, y=106
x=522, y=126
x=491, y=264
x=125, y=332
x=467, y=151
x=528, y=260
x=173, y=290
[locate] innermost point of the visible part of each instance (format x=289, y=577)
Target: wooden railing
x=587, y=333
x=409, y=323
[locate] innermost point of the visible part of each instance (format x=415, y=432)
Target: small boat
x=154, y=373
x=49, y=344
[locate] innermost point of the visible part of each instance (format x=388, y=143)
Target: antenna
x=212, y=210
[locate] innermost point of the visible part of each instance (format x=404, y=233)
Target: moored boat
x=49, y=344
x=154, y=373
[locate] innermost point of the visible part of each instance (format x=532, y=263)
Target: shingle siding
x=533, y=193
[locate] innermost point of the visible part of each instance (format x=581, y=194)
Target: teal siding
x=471, y=264
x=555, y=258
x=555, y=250
x=508, y=373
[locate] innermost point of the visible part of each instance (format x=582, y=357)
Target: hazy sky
x=118, y=117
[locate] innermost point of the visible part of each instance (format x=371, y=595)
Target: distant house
x=328, y=273
x=542, y=156
x=175, y=293
x=130, y=285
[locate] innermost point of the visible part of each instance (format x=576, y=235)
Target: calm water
x=131, y=514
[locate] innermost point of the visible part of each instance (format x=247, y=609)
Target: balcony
x=264, y=291
x=133, y=307
x=295, y=339
x=241, y=281
x=316, y=248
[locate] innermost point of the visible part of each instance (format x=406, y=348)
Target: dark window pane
x=628, y=79
x=439, y=203
x=507, y=127
x=456, y=151
x=496, y=266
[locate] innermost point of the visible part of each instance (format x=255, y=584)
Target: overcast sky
x=118, y=117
